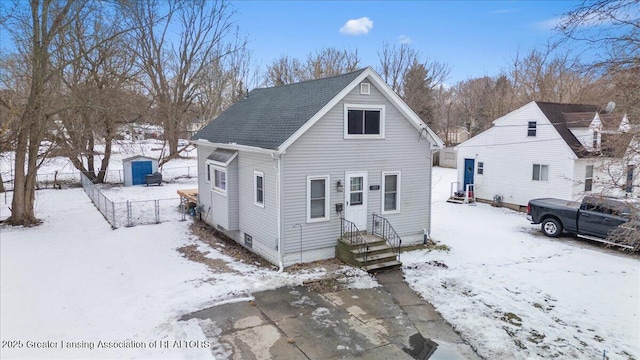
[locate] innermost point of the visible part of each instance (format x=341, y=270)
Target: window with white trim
x=364, y=121
x=540, y=172
x=365, y=88
x=258, y=188
x=595, y=140
x=480, y=168
x=219, y=180
x=532, y=128
x=390, y=192
x=588, y=178
x=317, y=198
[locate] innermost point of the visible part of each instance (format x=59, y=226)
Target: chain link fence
x=106, y=206
x=73, y=178
x=131, y=213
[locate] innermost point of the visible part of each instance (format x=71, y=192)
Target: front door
x=356, y=199
x=468, y=172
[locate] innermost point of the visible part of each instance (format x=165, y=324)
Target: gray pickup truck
x=595, y=218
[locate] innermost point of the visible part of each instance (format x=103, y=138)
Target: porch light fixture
x=339, y=186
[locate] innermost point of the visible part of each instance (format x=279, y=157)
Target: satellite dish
x=610, y=106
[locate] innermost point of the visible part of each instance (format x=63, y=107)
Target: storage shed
x=136, y=168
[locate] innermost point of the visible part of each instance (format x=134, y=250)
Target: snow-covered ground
x=510, y=291
x=73, y=282
x=513, y=293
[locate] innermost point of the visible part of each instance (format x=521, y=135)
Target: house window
x=480, y=168
x=391, y=191
x=364, y=121
x=588, y=178
x=258, y=185
x=629, y=184
x=365, y=88
x=540, y=172
x=317, y=198
x=595, y=140
x=531, y=128
x=220, y=180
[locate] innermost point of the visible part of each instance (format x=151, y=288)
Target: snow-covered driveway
x=514, y=293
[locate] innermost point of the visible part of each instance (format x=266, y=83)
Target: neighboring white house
x=546, y=150
x=281, y=167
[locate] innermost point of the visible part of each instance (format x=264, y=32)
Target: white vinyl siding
x=258, y=188
x=363, y=121
x=390, y=192
x=507, y=164
x=260, y=222
x=323, y=150
x=318, y=198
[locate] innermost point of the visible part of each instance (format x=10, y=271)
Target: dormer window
x=595, y=140
x=531, y=128
x=364, y=121
x=365, y=88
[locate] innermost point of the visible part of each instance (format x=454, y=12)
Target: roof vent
x=610, y=106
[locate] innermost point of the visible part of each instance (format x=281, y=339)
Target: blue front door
x=139, y=172
x=468, y=172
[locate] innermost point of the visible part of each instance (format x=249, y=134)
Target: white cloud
x=404, y=39
x=357, y=26
x=549, y=24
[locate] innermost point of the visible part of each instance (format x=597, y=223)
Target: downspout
x=279, y=210
x=427, y=230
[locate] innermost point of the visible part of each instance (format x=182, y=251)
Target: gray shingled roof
x=555, y=113
x=221, y=155
x=268, y=117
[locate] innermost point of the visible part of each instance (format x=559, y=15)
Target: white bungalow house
x=281, y=168
x=547, y=150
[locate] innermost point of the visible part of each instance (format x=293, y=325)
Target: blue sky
x=475, y=38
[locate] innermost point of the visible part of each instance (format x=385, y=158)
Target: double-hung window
x=364, y=121
x=540, y=172
x=391, y=192
x=317, y=198
x=532, y=128
x=258, y=185
x=480, y=168
x=595, y=140
x=588, y=178
x=220, y=179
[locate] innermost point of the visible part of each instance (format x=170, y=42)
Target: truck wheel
x=552, y=227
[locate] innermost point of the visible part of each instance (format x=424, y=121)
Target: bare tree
x=173, y=66
x=330, y=62
x=547, y=74
x=33, y=28
x=395, y=61
x=98, y=89
x=612, y=27
x=323, y=63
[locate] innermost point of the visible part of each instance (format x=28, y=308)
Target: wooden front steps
x=379, y=257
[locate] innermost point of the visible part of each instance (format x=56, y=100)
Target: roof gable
x=265, y=118
x=554, y=112
x=274, y=118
